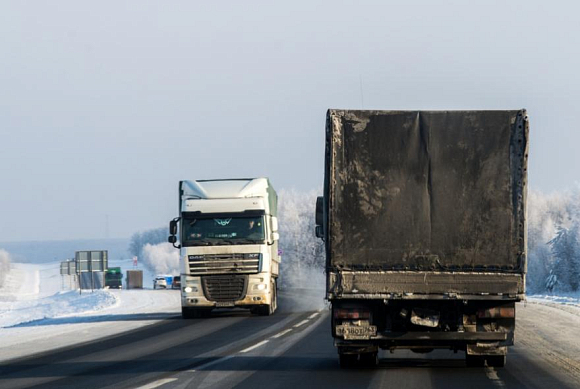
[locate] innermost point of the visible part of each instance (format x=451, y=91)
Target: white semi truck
x=228, y=241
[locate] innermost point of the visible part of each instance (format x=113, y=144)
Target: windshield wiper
x=247, y=240
x=225, y=241
x=201, y=242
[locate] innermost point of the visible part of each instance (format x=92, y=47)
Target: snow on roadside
x=61, y=304
x=568, y=299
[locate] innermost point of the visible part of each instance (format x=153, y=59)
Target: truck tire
x=347, y=361
x=495, y=360
x=187, y=313
x=474, y=360
x=275, y=296
x=193, y=313
x=369, y=359
x=267, y=310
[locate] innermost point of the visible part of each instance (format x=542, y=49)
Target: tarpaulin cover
x=426, y=190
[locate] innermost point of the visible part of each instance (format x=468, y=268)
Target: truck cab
x=114, y=278
x=228, y=234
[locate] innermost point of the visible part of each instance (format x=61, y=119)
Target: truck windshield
x=223, y=231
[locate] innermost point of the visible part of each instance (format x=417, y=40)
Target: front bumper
x=199, y=301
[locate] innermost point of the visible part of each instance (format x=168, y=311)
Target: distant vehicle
x=229, y=243
x=114, y=278
x=134, y=279
x=160, y=282
x=423, y=218
x=176, y=284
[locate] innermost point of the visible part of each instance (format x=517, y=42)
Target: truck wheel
x=496, y=360
x=187, y=313
x=275, y=296
x=474, y=360
x=265, y=310
x=369, y=359
x=347, y=361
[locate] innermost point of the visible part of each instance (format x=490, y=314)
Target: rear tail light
x=351, y=313
x=497, y=313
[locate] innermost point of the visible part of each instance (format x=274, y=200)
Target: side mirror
x=173, y=226
x=274, y=223
x=173, y=231
x=275, y=236
x=319, y=211
x=319, y=232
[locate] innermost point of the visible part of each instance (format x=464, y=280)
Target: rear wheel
x=474, y=360
x=496, y=360
x=369, y=359
x=347, y=361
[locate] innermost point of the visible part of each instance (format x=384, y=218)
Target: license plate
x=223, y=304
x=356, y=332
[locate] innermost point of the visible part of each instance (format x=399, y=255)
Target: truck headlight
x=260, y=287
x=190, y=289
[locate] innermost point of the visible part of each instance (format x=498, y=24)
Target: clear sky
x=105, y=105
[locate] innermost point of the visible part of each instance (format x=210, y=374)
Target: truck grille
x=224, y=264
x=225, y=288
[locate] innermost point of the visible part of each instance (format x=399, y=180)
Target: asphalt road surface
x=294, y=350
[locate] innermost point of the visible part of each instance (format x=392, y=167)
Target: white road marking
x=263, y=342
x=492, y=375
x=206, y=365
x=279, y=334
x=158, y=383
x=313, y=315
x=301, y=323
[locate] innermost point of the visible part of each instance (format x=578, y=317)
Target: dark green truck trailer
x=424, y=222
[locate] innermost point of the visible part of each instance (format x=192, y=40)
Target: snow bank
x=61, y=304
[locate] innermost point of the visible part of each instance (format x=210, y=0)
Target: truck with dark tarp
x=424, y=222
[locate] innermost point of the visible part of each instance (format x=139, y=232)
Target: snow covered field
x=37, y=313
